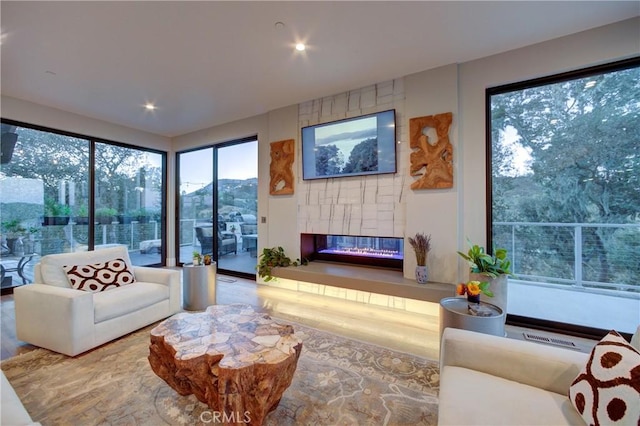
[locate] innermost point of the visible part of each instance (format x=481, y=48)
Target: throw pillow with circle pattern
x=607, y=390
x=99, y=276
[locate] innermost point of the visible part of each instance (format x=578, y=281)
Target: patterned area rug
x=337, y=381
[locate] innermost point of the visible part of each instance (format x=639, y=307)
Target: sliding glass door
x=218, y=204
x=237, y=206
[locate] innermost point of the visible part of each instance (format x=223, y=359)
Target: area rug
x=338, y=381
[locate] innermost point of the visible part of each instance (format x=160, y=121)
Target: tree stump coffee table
x=235, y=360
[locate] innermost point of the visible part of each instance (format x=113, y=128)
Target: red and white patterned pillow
x=607, y=390
x=99, y=276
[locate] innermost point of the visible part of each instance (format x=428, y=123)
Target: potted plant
x=274, y=257
x=421, y=244
x=82, y=215
x=141, y=215
x=492, y=268
x=105, y=215
x=197, y=258
x=14, y=231
x=55, y=213
x=127, y=217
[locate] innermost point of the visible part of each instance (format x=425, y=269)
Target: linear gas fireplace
x=385, y=252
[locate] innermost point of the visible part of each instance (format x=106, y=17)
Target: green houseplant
x=55, y=213
x=273, y=257
x=491, y=265
x=105, y=215
x=493, y=269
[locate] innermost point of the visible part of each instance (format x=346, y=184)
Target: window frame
x=538, y=323
x=91, y=182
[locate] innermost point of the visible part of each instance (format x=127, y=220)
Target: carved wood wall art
x=431, y=160
x=281, y=167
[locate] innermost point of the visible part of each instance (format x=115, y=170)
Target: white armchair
x=53, y=315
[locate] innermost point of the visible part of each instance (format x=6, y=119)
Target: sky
x=347, y=135
x=235, y=162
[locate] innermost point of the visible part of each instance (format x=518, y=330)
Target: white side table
x=454, y=313
x=198, y=286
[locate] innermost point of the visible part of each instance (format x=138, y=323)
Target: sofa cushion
x=99, y=276
x=126, y=299
x=607, y=390
x=490, y=400
x=51, y=265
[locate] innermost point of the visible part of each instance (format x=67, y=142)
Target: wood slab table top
x=237, y=361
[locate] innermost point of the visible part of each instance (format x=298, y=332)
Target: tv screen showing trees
x=364, y=145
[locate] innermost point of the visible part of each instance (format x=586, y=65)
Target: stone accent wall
x=361, y=205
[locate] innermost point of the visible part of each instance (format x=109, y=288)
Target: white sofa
x=53, y=315
x=491, y=380
x=12, y=412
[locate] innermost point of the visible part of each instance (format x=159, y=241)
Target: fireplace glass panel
x=376, y=247
x=384, y=252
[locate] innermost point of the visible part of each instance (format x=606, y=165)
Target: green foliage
x=54, y=209
x=329, y=160
x=82, y=211
x=274, y=257
x=582, y=141
x=106, y=212
x=363, y=157
x=13, y=228
x=490, y=265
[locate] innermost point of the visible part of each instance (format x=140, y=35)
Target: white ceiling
x=207, y=63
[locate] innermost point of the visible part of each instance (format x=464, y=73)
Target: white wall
x=435, y=211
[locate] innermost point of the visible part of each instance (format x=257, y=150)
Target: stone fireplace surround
x=365, y=205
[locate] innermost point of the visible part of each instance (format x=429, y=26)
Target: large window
x=66, y=193
x=565, y=195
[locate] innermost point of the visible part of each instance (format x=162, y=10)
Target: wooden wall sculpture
x=281, y=167
x=435, y=157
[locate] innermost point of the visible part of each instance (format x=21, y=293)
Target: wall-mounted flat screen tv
x=364, y=145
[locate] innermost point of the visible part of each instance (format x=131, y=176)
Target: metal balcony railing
x=600, y=256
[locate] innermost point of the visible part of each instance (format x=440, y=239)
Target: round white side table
x=454, y=313
x=198, y=286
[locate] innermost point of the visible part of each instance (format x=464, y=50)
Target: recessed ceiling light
x=300, y=47
x=149, y=106
x=279, y=25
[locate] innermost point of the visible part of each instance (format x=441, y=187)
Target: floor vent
x=549, y=340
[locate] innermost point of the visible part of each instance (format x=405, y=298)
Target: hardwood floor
x=392, y=328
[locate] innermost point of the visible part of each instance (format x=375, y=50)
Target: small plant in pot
x=421, y=244
x=491, y=268
x=105, y=215
x=14, y=231
x=55, y=213
x=274, y=257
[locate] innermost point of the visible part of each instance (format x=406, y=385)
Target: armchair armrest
x=57, y=318
x=168, y=277
x=537, y=365
x=157, y=275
